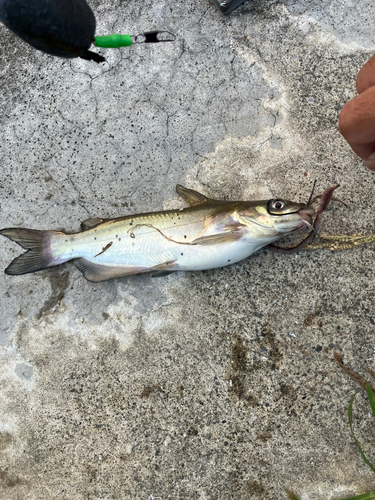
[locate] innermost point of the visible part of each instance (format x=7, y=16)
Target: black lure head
x=63, y=28
x=227, y=6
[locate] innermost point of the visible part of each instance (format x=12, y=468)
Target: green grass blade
x=370, y=395
x=350, y=415
x=291, y=495
x=350, y=409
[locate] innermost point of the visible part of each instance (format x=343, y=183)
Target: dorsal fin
x=190, y=196
x=90, y=223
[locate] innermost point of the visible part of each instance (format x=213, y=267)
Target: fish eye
x=277, y=204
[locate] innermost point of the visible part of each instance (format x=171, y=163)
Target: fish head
x=277, y=217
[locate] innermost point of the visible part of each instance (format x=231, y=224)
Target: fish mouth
x=307, y=213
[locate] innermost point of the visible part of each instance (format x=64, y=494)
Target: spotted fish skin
x=207, y=234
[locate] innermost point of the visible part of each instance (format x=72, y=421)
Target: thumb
x=357, y=125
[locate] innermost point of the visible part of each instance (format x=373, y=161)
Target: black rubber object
x=63, y=28
x=227, y=6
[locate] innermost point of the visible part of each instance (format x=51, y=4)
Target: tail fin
x=38, y=255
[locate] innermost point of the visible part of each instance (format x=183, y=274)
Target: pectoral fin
x=190, y=196
x=230, y=236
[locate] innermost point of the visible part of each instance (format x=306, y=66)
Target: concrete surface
x=214, y=385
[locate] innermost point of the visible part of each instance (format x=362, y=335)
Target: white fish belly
x=146, y=253
x=201, y=257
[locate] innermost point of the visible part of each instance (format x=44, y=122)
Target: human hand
x=357, y=117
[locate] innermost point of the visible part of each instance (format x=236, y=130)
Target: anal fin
x=99, y=272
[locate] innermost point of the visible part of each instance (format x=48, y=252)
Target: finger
x=366, y=76
x=357, y=125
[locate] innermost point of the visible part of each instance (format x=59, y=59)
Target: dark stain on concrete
x=254, y=489
x=288, y=393
x=5, y=440
x=310, y=317
x=238, y=386
x=59, y=281
x=273, y=345
x=265, y=435
x=237, y=369
x=8, y=480
x=92, y=472
x=148, y=390
x=239, y=356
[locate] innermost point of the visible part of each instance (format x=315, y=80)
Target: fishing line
x=311, y=195
x=132, y=235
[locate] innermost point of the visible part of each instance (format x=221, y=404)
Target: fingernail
x=370, y=161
